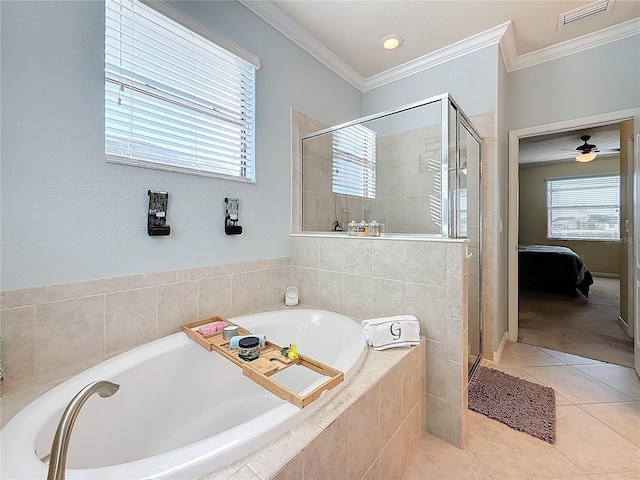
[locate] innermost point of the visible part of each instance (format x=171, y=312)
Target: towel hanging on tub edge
x=390, y=332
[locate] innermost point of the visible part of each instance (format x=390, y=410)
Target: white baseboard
x=498, y=353
x=606, y=275
x=622, y=322
x=625, y=326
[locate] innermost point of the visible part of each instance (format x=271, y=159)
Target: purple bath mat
x=524, y=406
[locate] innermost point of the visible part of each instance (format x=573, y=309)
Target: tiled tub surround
x=51, y=333
x=374, y=277
x=368, y=431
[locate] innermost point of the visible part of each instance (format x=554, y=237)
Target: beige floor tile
x=623, y=379
x=586, y=448
x=520, y=372
x=570, y=359
x=576, y=386
x=615, y=476
x=592, y=446
x=560, y=400
x=517, y=354
x=436, y=459
x=624, y=418
x=511, y=370
x=508, y=454
x=573, y=477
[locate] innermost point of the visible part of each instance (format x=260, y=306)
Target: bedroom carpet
x=582, y=326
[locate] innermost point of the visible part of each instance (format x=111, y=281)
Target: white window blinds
x=354, y=161
x=584, y=208
x=173, y=99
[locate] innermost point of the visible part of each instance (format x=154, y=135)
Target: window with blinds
x=584, y=208
x=174, y=100
x=354, y=161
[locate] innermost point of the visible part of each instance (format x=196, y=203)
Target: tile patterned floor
x=597, y=427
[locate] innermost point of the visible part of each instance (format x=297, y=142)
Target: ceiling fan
x=588, y=151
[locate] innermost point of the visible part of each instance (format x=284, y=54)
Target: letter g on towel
x=395, y=330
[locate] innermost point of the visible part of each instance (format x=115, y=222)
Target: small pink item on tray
x=210, y=328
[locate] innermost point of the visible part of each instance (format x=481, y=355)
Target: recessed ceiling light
x=391, y=42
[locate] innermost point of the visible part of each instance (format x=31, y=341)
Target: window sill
x=173, y=168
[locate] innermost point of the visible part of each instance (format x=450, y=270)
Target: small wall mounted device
x=291, y=296
x=157, y=215
x=231, y=226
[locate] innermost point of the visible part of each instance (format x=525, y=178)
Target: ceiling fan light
x=586, y=157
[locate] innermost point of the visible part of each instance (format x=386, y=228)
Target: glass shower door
x=467, y=223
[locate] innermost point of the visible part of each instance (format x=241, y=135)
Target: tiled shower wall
x=408, y=172
x=50, y=333
x=373, y=277
x=407, y=167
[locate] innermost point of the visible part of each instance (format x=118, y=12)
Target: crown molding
x=445, y=54
x=508, y=47
x=275, y=17
x=502, y=35
x=579, y=44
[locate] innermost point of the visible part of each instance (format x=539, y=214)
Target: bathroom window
x=584, y=208
x=354, y=161
x=175, y=99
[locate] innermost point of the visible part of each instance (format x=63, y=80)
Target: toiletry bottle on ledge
x=352, y=228
x=363, y=229
x=374, y=229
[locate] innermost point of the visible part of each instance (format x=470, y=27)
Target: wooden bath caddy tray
x=269, y=362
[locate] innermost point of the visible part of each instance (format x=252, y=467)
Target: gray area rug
x=522, y=405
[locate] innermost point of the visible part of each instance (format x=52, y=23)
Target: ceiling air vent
x=581, y=13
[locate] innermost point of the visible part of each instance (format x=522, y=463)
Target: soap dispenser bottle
x=363, y=229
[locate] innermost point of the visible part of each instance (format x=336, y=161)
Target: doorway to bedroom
x=573, y=217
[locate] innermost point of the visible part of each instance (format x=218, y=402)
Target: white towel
x=389, y=332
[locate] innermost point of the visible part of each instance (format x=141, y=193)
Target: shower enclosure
x=415, y=170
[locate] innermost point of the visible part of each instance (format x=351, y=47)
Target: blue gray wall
x=599, y=80
x=68, y=216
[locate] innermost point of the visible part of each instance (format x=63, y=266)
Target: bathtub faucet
x=63, y=434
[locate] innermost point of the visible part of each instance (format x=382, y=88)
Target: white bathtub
x=181, y=411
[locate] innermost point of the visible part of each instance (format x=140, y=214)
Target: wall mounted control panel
x=157, y=215
x=232, y=206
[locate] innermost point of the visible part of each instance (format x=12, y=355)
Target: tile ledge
x=415, y=237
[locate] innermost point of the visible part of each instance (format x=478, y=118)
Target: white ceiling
x=352, y=29
x=558, y=147
x=346, y=34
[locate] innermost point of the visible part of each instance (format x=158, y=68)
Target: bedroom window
x=175, y=99
x=354, y=161
x=584, y=208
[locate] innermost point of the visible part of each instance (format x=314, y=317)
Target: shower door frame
x=463, y=121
